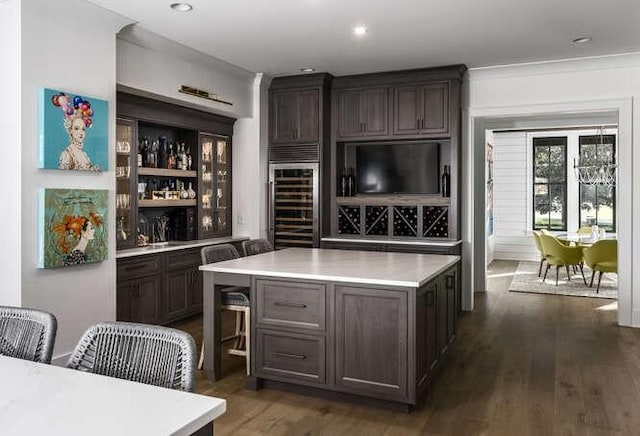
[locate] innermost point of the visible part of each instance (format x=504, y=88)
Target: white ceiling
x=278, y=37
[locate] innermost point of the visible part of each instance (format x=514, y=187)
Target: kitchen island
x=372, y=326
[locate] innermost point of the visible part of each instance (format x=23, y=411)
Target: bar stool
x=234, y=298
x=256, y=246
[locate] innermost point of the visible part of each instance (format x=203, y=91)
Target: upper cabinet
x=421, y=109
x=299, y=117
x=363, y=113
x=295, y=116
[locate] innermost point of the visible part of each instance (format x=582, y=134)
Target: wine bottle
x=183, y=158
x=446, y=182
x=140, y=152
x=171, y=159
x=351, y=183
x=162, y=152
x=343, y=183
x=178, y=157
x=189, y=159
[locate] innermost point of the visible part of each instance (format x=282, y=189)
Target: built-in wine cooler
x=293, y=215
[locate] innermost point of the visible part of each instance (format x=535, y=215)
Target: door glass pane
x=206, y=183
x=222, y=191
x=124, y=223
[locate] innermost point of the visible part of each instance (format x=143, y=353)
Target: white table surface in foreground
x=369, y=267
x=39, y=399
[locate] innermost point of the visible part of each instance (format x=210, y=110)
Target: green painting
x=73, y=227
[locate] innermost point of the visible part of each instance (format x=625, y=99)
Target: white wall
x=157, y=67
x=510, y=197
x=67, y=45
x=491, y=239
x=10, y=175
x=608, y=84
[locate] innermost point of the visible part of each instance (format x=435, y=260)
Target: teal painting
x=73, y=227
x=74, y=131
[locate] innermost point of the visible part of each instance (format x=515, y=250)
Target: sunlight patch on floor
x=608, y=307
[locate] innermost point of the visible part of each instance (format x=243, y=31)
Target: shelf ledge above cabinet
x=162, y=172
x=166, y=203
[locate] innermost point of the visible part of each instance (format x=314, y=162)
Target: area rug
x=526, y=280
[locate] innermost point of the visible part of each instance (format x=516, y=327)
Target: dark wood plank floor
x=523, y=364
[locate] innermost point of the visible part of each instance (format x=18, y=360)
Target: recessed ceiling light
x=360, y=30
x=307, y=70
x=582, y=40
x=181, y=7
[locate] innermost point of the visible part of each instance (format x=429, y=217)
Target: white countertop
x=41, y=399
x=367, y=267
x=177, y=245
x=422, y=242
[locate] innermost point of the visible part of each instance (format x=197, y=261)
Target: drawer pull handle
x=288, y=304
x=136, y=267
x=290, y=356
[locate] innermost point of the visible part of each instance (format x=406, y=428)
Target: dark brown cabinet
x=177, y=286
x=295, y=116
x=371, y=342
x=421, y=109
x=363, y=113
x=426, y=336
x=139, y=300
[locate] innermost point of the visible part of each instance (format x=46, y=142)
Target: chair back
x=545, y=232
x=218, y=253
x=256, y=246
x=585, y=230
x=604, y=250
x=559, y=254
x=536, y=238
x=27, y=334
x=154, y=355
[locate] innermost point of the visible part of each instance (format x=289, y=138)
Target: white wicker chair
x=27, y=333
x=154, y=355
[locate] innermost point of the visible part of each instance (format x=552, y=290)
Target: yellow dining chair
x=543, y=258
x=602, y=257
x=585, y=230
x=558, y=254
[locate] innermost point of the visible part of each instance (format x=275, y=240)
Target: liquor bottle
x=446, y=182
x=343, y=183
x=140, y=152
x=183, y=158
x=189, y=159
x=171, y=159
x=178, y=157
x=162, y=152
x=351, y=183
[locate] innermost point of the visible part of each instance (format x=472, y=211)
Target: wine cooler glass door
x=294, y=210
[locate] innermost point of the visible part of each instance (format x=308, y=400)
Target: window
x=550, y=183
x=597, y=202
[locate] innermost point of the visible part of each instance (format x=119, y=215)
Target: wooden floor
x=522, y=364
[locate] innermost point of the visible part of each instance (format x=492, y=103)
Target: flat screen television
x=410, y=168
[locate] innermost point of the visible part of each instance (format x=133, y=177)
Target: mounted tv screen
x=411, y=168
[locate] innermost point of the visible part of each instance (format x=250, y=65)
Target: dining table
x=582, y=238
x=42, y=399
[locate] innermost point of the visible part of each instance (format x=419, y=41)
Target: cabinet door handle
x=450, y=282
x=288, y=304
x=430, y=298
x=290, y=356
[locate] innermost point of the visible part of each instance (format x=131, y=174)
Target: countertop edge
x=448, y=243
x=332, y=278
x=141, y=251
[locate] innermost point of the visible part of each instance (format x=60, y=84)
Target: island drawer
x=291, y=355
x=138, y=266
x=181, y=259
x=291, y=304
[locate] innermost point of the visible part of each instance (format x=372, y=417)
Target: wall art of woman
x=74, y=132
x=73, y=225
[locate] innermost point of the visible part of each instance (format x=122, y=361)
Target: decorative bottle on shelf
x=178, y=157
x=171, y=159
x=446, y=182
x=183, y=158
x=162, y=152
x=184, y=194
x=343, y=183
x=351, y=183
x=140, y=152
x=189, y=159
x=192, y=193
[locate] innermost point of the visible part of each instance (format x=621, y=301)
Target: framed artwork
x=73, y=227
x=73, y=132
